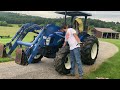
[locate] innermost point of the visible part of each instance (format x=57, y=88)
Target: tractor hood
x=50, y=29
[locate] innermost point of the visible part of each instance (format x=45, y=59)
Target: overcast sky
x=102, y=15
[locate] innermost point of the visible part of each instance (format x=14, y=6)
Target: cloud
x=106, y=15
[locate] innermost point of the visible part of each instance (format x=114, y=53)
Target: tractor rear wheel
x=62, y=62
x=89, y=50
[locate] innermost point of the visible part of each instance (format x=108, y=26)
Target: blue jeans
x=75, y=55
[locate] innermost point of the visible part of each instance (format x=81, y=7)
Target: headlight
x=48, y=40
x=44, y=37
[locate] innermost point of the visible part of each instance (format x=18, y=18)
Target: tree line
x=7, y=18
x=102, y=24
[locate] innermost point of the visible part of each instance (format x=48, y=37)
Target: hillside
x=15, y=18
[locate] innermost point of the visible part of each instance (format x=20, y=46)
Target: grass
x=5, y=31
x=5, y=60
x=8, y=30
x=109, y=68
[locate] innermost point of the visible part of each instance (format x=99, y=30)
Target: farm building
x=105, y=33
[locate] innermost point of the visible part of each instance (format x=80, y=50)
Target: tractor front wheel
x=37, y=58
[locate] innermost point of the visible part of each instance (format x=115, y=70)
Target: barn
x=105, y=33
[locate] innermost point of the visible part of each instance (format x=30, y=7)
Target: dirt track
x=45, y=69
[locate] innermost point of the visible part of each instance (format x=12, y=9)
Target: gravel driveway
x=45, y=69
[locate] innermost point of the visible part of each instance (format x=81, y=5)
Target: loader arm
x=19, y=36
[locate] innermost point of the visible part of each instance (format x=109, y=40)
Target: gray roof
x=74, y=13
x=108, y=30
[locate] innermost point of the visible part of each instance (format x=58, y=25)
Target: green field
x=110, y=68
x=5, y=31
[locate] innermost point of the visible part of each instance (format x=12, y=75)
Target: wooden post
x=102, y=35
x=111, y=35
x=106, y=35
x=119, y=35
x=115, y=35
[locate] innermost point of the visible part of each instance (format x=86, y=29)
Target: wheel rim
x=94, y=51
x=37, y=56
x=67, y=63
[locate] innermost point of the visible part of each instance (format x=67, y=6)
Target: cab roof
x=73, y=13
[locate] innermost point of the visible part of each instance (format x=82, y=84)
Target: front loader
x=46, y=43
x=17, y=40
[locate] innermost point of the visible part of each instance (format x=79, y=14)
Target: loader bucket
x=21, y=58
x=2, y=51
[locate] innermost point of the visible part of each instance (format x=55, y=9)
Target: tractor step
x=21, y=57
x=2, y=51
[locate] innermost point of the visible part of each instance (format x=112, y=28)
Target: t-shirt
x=69, y=37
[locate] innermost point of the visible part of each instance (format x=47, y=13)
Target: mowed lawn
x=5, y=31
x=111, y=67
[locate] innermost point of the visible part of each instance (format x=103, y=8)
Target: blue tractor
x=48, y=43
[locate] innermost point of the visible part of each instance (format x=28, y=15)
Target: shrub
x=9, y=25
x=19, y=25
x=3, y=23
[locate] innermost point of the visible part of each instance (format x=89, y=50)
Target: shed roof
x=107, y=30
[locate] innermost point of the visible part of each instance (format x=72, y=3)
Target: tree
x=118, y=29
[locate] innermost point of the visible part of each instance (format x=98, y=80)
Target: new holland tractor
x=49, y=41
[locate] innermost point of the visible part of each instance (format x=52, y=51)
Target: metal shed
x=105, y=33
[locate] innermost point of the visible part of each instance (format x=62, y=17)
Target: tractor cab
x=74, y=18
x=76, y=22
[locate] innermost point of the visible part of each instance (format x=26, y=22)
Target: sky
x=102, y=15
